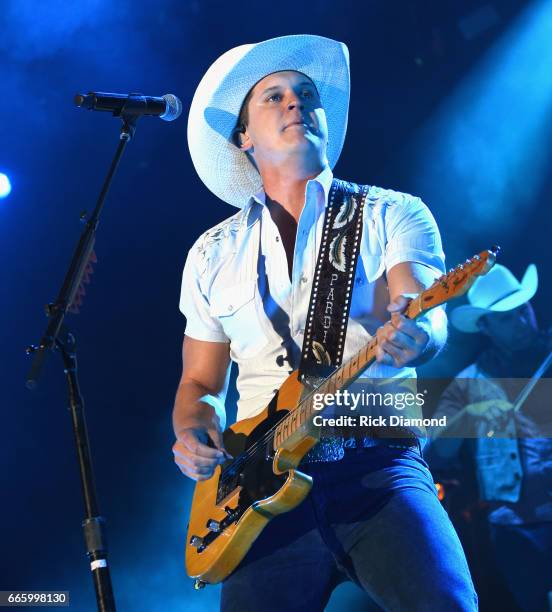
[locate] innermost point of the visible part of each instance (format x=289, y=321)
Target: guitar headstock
x=455, y=283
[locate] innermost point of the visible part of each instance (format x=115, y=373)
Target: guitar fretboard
x=301, y=417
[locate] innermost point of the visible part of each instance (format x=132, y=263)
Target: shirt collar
x=324, y=180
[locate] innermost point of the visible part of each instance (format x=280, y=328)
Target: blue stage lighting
x=5, y=186
x=486, y=149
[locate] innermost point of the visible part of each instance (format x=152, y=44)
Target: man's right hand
x=192, y=454
x=197, y=424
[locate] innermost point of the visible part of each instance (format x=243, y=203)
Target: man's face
x=286, y=119
x=511, y=330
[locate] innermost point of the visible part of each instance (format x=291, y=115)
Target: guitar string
x=247, y=456
x=249, y=453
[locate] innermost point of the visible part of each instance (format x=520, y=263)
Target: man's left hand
x=401, y=341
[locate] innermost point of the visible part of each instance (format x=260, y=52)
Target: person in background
x=511, y=450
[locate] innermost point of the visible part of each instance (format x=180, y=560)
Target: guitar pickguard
x=253, y=456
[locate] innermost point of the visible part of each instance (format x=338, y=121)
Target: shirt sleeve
x=194, y=305
x=412, y=235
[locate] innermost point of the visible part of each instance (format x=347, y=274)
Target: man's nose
x=295, y=102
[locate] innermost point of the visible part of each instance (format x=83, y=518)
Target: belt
x=332, y=448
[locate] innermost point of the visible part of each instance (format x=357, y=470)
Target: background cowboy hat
x=497, y=291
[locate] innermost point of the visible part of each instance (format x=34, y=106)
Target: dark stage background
x=451, y=100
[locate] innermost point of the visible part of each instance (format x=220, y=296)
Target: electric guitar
x=230, y=509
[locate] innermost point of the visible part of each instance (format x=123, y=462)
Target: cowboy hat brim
x=465, y=318
x=225, y=169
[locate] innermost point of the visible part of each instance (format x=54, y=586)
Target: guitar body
x=267, y=485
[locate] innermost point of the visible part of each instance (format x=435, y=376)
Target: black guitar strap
x=332, y=286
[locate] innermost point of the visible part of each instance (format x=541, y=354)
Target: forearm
x=195, y=404
x=434, y=323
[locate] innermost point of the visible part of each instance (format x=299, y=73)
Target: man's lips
x=297, y=122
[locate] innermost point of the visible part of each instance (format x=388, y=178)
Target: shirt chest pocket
x=237, y=309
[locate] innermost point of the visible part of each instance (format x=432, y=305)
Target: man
x=266, y=126
x=510, y=449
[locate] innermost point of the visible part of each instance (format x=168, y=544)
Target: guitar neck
x=299, y=423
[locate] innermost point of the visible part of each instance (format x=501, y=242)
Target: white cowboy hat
x=226, y=170
x=497, y=291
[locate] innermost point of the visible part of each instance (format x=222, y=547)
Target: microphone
x=168, y=107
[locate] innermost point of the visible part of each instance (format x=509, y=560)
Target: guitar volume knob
x=213, y=525
x=196, y=541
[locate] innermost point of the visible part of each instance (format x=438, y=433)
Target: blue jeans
x=373, y=518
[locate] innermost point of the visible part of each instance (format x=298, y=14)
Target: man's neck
x=286, y=186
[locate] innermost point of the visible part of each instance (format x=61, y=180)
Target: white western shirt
x=236, y=285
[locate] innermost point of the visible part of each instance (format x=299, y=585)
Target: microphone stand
x=57, y=337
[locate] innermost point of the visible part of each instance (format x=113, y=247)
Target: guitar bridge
x=230, y=480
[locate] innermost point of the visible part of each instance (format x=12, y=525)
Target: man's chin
x=305, y=143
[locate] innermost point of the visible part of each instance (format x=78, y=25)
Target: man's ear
x=245, y=141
